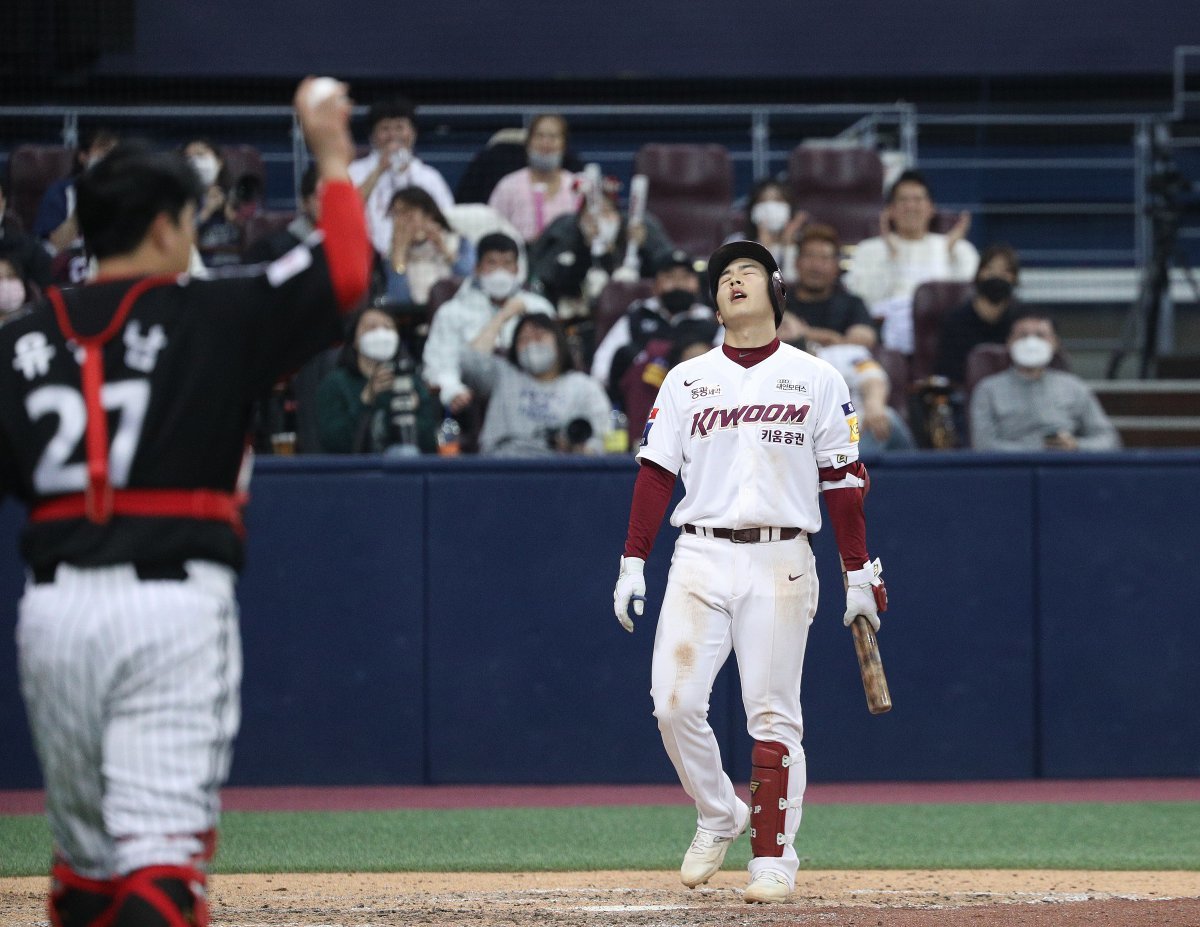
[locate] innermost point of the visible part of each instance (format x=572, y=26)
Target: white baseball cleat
x=704, y=857
x=767, y=887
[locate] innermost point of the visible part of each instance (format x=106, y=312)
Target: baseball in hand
x=322, y=89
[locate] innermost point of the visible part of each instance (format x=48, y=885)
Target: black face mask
x=994, y=289
x=677, y=301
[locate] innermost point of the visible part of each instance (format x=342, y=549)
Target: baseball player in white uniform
x=757, y=430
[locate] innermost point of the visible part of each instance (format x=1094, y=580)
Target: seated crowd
x=492, y=326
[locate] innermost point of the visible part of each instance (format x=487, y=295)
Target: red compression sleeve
x=347, y=248
x=651, y=496
x=844, y=489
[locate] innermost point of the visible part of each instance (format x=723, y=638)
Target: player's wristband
x=863, y=577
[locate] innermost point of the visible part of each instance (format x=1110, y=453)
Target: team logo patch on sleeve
x=649, y=425
x=851, y=420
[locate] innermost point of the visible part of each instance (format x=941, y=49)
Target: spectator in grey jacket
x=495, y=283
x=1031, y=406
x=538, y=405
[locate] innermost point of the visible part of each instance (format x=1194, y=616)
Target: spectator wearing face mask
x=23, y=250
x=392, y=166
x=576, y=255
x=218, y=234
x=986, y=318
x=424, y=248
x=538, y=405
x=16, y=291
x=536, y=195
x=374, y=401
x=55, y=222
x=676, y=305
x=494, y=284
x=1031, y=406
x=769, y=221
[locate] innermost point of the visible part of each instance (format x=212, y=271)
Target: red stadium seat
x=31, y=169
x=931, y=302
x=896, y=366
x=691, y=192
x=987, y=359
x=613, y=300
x=842, y=187
x=263, y=225
x=243, y=160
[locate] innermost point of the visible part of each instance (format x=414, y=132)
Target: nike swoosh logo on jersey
x=792, y=579
x=690, y=382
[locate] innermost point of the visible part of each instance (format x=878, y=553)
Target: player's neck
x=752, y=333
x=140, y=263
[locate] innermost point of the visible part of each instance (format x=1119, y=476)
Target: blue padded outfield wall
x=450, y=622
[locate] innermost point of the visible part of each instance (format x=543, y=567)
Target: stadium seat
x=987, y=359
x=440, y=292
x=263, y=225
x=474, y=220
x=691, y=192
x=613, y=300
x=896, y=366
x=931, y=302
x=842, y=187
x=242, y=160
x=31, y=169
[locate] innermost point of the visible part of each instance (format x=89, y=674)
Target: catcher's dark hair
x=391, y=108
x=118, y=198
x=549, y=324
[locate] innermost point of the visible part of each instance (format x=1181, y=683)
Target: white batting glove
x=865, y=594
x=631, y=587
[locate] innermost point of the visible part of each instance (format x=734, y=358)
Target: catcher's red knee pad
x=161, y=896
x=76, y=901
x=769, y=763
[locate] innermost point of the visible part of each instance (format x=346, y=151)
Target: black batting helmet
x=727, y=254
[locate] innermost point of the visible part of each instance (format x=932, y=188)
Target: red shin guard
x=768, y=798
x=161, y=896
x=76, y=901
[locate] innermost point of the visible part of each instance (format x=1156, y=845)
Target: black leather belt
x=145, y=571
x=746, y=535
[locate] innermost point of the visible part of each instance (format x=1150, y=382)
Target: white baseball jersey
x=748, y=442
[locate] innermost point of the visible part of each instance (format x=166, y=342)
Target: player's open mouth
x=736, y=294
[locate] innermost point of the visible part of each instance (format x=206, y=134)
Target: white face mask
x=1031, y=351
x=537, y=357
x=207, y=167
x=498, y=284
x=540, y=161
x=12, y=294
x=378, y=344
x=772, y=214
x=401, y=159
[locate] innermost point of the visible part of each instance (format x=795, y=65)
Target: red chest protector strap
x=99, y=501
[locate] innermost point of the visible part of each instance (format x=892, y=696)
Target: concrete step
x=1152, y=413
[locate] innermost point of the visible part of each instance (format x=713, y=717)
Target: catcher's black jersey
x=180, y=376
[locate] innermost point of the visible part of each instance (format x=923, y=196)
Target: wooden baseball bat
x=870, y=664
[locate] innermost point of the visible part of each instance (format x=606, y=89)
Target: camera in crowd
x=571, y=438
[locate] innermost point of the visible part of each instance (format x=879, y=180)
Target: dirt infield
x=880, y=898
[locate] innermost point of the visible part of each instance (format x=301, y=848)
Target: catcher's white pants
x=131, y=688
x=722, y=596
